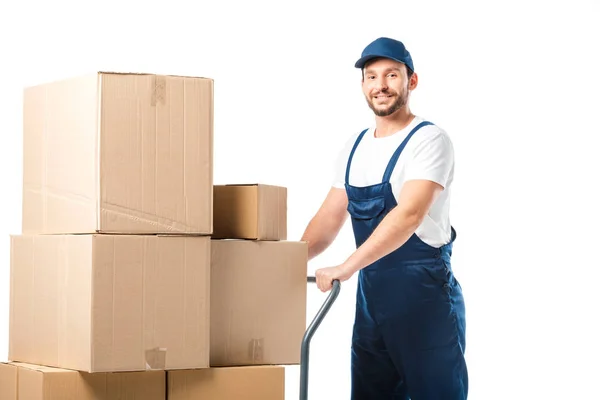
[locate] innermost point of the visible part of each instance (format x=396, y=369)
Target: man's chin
x=383, y=111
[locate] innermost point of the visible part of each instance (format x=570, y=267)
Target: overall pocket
x=439, y=272
x=366, y=209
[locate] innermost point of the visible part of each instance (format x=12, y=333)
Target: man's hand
x=326, y=276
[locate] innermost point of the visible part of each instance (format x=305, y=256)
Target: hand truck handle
x=335, y=291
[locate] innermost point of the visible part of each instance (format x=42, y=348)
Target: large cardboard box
x=21, y=381
x=104, y=303
x=233, y=383
x=253, y=211
x=118, y=153
x=258, y=302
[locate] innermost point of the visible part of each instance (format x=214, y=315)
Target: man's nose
x=381, y=85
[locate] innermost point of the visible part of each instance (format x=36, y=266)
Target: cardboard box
x=258, y=302
x=20, y=381
x=234, y=383
x=8, y=382
x=118, y=153
x=105, y=303
x=250, y=212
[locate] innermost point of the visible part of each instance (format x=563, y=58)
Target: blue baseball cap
x=387, y=48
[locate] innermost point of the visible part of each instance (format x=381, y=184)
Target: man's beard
x=401, y=100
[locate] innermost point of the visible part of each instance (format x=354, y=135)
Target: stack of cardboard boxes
x=135, y=277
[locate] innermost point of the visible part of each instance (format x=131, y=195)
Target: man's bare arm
x=327, y=222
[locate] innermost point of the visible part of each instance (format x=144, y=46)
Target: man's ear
x=414, y=81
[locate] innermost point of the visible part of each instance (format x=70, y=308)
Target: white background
x=514, y=83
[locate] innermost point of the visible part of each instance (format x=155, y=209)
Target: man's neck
x=386, y=126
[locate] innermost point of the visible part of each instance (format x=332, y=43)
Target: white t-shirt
x=429, y=154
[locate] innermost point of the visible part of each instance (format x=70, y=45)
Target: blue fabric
x=408, y=340
x=387, y=48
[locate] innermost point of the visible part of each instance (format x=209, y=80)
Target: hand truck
x=335, y=291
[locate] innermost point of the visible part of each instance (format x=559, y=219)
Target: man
x=394, y=181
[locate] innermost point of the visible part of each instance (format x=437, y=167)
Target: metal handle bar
x=335, y=291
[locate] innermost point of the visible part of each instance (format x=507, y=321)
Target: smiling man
x=393, y=180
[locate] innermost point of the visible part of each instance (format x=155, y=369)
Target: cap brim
x=363, y=60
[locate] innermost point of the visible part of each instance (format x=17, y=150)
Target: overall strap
x=352, y=153
x=392, y=164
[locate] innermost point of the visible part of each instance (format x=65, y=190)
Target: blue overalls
x=409, y=332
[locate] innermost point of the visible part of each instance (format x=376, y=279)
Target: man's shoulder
x=432, y=139
x=432, y=135
x=353, y=136
x=350, y=138
x=433, y=130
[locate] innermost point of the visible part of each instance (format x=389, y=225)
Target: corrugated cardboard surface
x=120, y=153
x=33, y=382
x=8, y=382
x=258, y=302
x=110, y=302
x=233, y=383
x=253, y=211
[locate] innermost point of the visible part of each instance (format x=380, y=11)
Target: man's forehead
x=384, y=64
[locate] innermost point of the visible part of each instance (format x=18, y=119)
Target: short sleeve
x=340, y=163
x=339, y=169
x=432, y=159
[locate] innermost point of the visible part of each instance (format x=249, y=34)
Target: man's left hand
x=326, y=276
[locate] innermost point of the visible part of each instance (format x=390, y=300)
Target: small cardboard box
x=250, y=211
